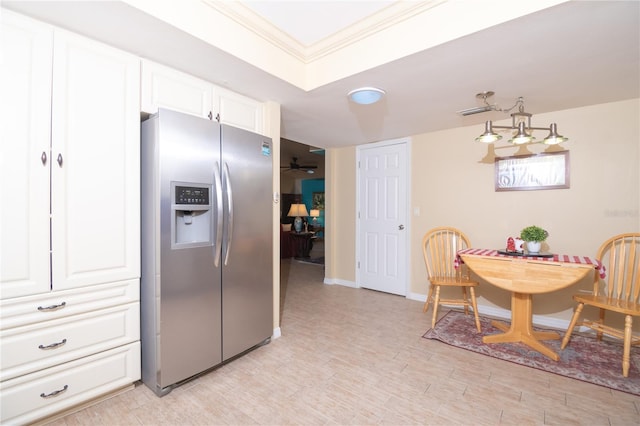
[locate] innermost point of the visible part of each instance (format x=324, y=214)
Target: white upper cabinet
x=95, y=177
x=168, y=88
x=239, y=111
x=70, y=160
x=25, y=105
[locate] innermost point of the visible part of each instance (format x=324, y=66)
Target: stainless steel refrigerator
x=206, y=287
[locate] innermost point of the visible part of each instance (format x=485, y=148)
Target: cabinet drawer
x=44, y=307
x=34, y=396
x=35, y=347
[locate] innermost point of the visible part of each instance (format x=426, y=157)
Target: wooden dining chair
x=439, y=248
x=619, y=292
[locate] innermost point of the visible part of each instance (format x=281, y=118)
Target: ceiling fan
x=293, y=165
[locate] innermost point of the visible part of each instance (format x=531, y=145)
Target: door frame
x=406, y=264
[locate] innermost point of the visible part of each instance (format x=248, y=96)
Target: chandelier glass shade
x=521, y=136
x=554, y=138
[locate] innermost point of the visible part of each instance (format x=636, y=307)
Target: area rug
x=584, y=358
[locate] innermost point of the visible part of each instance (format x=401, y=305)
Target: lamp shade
x=298, y=210
x=314, y=213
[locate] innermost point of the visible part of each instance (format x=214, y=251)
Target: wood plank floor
x=356, y=357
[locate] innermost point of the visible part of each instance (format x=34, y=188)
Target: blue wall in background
x=309, y=186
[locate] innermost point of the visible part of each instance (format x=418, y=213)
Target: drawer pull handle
x=53, y=345
x=52, y=307
x=54, y=393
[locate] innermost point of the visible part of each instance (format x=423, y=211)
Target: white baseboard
x=276, y=333
x=539, y=320
x=500, y=313
x=417, y=296
x=332, y=281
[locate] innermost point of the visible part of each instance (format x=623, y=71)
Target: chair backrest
x=621, y=257
x=439, y=248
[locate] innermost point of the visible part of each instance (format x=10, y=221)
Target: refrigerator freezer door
x=180, y=294
x=190, y=302
x=247, y=292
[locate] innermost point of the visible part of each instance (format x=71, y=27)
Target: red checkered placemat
x=562, y=258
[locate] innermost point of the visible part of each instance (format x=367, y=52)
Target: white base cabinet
x=70, y=219
x=35, y=396
x=45, y=344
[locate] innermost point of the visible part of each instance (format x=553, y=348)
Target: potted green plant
x=534, y=236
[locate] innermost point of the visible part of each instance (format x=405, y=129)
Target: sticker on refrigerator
x=266, y=148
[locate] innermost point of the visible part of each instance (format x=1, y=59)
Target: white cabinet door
x=25, y=84
x=239, y=111
x=95, y=144
x=165, y=87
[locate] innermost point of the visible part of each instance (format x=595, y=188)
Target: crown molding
x=389, y=16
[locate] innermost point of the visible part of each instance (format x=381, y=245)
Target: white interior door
x=382, y=217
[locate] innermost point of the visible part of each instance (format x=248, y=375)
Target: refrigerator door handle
x=229, y=192
x=218, y=246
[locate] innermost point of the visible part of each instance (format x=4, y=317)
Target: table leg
x=521, y=328
x=302, y=245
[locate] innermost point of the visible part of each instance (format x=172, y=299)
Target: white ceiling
x=312, y=21
x=568, y=55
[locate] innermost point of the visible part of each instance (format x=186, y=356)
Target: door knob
x=401, y=227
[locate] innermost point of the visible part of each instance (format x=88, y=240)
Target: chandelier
x=520, y=123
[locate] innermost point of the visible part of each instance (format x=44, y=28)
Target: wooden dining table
x=525, y=276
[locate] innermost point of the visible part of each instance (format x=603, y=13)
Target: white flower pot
x=533, y=246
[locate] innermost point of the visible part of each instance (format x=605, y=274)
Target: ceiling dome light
x=366, y=95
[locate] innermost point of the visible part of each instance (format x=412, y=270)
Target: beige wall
x=289, y=184
x=272, y=129
x=340, y=216
x=452, y=187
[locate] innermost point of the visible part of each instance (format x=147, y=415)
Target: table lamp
x=315, y=214
x=296, y=211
